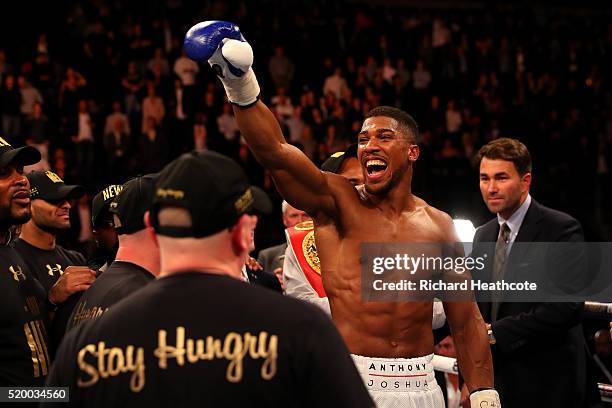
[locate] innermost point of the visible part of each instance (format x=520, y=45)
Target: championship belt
x=302, y=242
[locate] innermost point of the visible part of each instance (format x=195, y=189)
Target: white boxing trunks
x=400, y=382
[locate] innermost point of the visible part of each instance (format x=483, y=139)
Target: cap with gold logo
x=132, y=202
x=22, y=155
x=213, y=188
x=335, y=161
x=100, y=203
x=48, y=186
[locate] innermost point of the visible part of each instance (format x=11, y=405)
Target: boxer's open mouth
x=375, y=167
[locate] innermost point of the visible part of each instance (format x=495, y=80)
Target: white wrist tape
x=242, y=91
x=485, y=398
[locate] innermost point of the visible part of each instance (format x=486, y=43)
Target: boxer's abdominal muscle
x=375, y=329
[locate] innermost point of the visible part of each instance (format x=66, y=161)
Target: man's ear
x=240, y=235
x=414, y=152
x=527, y=179
x=149, y=226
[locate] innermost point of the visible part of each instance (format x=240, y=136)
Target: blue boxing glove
x=221, y=44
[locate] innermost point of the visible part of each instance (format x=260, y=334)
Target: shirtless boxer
x=382, y=336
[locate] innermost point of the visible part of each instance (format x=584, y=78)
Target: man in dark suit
x=272, y=258
x=538, y=349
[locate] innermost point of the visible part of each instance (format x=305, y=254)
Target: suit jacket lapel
x=530, y=227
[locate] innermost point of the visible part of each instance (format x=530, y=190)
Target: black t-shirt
x=24, y=360
x=48, y=265
x=197, y=339
x=119, y=280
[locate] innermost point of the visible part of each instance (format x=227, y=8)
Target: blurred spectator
x=227, y=124
x=281, y=69
x=10, y=106
x=152, y=106
x=117, y=145
x=453, y=118
x=70, y=92
x=132, y=84
x=36, y=135
x=84, y=142
x=421, y=77
x=199, y=132
x=335, y=84
x=152, y=148
x=186, y=70
x=388, y=72
x=159, y=61
x=282, y=104
x=4, y=66
x=42, y=74
x=295, y=124
x=117, y=116
x=29, y=96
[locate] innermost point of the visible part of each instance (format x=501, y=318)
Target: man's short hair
x=406, y=123
x=510, y=150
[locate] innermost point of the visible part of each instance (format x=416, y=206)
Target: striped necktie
x=501, y=255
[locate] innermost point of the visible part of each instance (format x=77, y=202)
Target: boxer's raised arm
x=299, y=181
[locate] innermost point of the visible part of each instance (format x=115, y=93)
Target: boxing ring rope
x=449, y=365
x=445, y=364
x=598, y=309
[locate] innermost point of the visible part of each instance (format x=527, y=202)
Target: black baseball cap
x=48, y=186
x=131, y=204
x=24, y=156
x=213, y=188
x=101, y=202
x=334, y=162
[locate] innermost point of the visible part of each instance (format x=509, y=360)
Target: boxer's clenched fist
x=222, y=44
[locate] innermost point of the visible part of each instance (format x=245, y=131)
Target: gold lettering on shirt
x=111, y=362
x=4, y=143
x=81, y=313
x=234, y=347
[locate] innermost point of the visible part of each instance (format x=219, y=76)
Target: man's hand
x=74, y=279
x=253, y=265
x=278, y=272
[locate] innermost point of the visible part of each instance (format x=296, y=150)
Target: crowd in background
x=109, y=94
